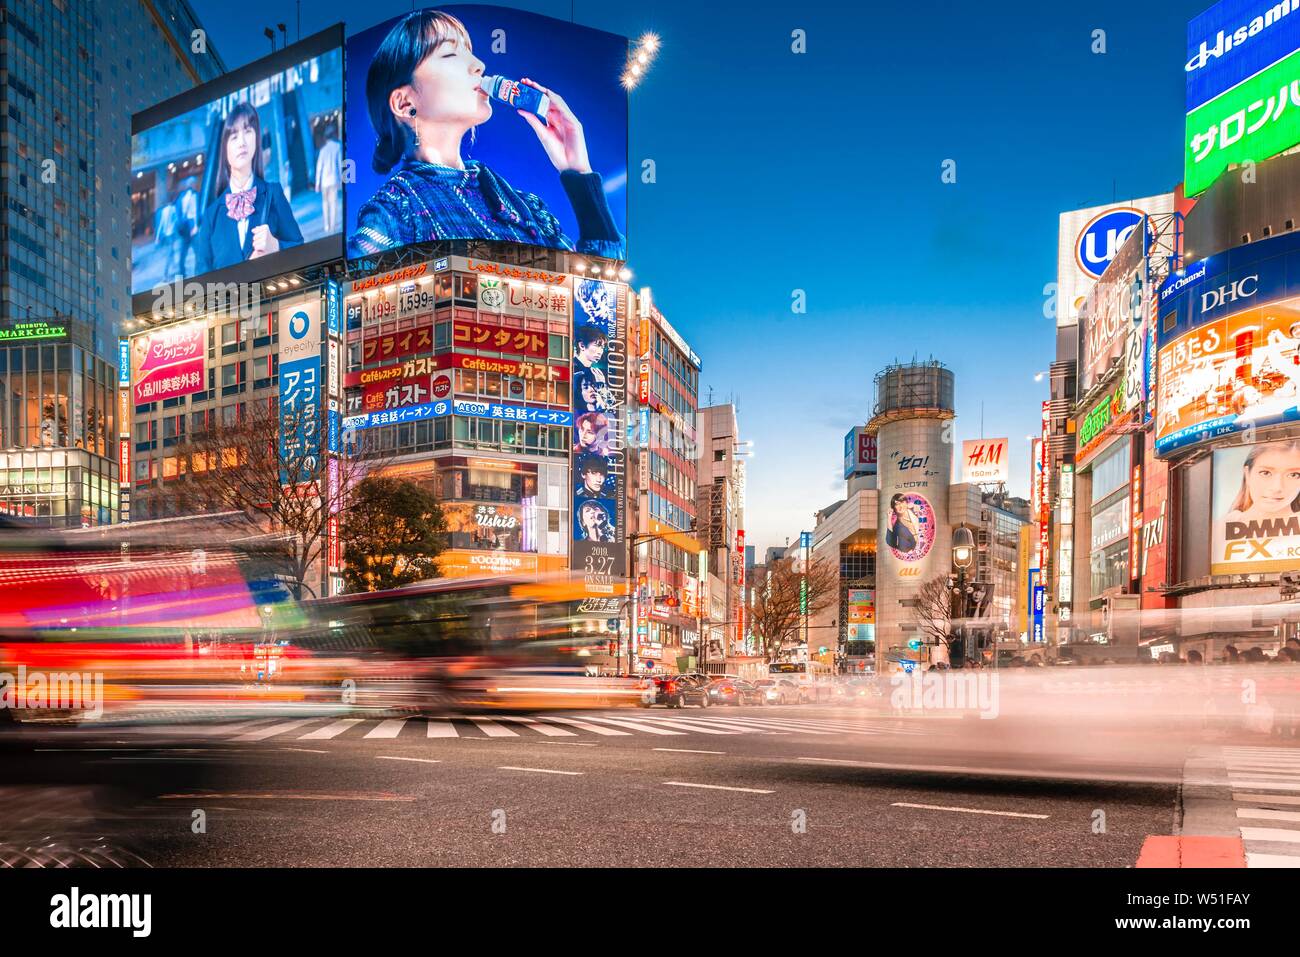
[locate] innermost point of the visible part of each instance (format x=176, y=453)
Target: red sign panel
x=494, y=338
x=394, y=345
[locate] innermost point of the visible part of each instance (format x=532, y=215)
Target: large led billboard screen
x=1229, y=344
x=241, y=178
x=1255, y=525
x=437, y=157
x=1234, y=40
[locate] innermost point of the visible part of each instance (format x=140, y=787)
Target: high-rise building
x=75, y=71
x=720, y=505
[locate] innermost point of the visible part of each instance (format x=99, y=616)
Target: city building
x=75, y=71
x=720, y=505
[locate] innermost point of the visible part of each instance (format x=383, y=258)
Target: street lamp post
x=963, y=556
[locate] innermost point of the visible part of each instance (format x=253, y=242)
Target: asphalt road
x=772, y=786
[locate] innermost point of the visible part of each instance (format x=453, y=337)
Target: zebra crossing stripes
x=1265, y=784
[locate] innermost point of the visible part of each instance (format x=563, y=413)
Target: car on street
x=779, y=691
x=736, y=691
x=678, y=691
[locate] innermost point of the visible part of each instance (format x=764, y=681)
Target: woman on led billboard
x=423, y=96
x=249, y=216
x=1270, y=483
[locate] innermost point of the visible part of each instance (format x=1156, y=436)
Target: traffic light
x=914, y=644
x=822, y=650
x=669, y=601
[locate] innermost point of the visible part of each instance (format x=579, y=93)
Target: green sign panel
x=31, y=332
x=1256, y=119
x=1099, y=418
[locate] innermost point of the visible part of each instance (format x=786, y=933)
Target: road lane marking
x=442, y=729
x=763, y=726
x=1264, y=785
x=717, y=787
x=585, y=726
x=389, y=728
x=634, y=725
x=303, y=750
x=572, y=744
x=492, y=729
x=537, y=726
x=968, y=810
x=262, y=734
x=1265, y=799
x=1271, y=860
x=509, y=767
x=1282, y=834
x=283, y=796
x=687, y=751
x=396, y=757
x=691, y=725
x=332, y=730
x=1264, y=814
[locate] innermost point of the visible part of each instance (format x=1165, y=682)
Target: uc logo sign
x=1100, y=240
x=298, y=324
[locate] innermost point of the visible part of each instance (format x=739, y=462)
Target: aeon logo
x=1101, y=239
x=1243, y=288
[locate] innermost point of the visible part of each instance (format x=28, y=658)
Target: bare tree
x=270, y=466
x=776, y=615
x=934, y=608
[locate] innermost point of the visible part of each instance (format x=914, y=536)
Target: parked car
x=779, y=691
x=735, y=691
x=862, y=691
x=677, y=691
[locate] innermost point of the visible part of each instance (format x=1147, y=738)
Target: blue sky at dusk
x=821, y=172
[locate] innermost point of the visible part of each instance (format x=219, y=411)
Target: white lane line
x=634, y=725
x=332, y=730
x=1255, y=767
x=802, y=724
x=540, y=728
x=442, y=729
x=1263, y=814
x=1270, y=834
x=1265, y=799
x=969, y=810
x=687, y=751
x=262, y=734
x=771, y=726
x=303, y=750
x=212, y=730
x=508, y=767
x=492, y=729
x=388, y=728
x=1271, y=860
x=717, y=787
x=739, y=724
x=571, y=744
x=395, y=757
x=699, y=726
x=1257, y=784
x=584, y=726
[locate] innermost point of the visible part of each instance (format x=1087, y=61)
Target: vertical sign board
x=1040, y=605
x=301, y=395
x=334, y=412
x=1044, y=498
x=740, y=606
x=600, y=354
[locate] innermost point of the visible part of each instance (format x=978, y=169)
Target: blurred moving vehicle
x=735, y=691
x=778, y=691
x=810, y=677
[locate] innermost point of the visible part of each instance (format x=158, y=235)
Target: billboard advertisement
x=859, y=452
x=598, y=459
x=302, y=392
x=1113, y=309
x=1234, y=40
x=1255, y=521
x=481, y=122
x=242, y=178
x=1229, y=344
x=169, y=362
x=1087, y=241
x=1256, y=119
x=985, y=461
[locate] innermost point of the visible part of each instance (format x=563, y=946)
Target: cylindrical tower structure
x=912, y=425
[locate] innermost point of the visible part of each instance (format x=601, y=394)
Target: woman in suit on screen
x=249, y=216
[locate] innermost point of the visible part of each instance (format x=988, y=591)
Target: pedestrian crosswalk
x=1265, y=784
x=601, y=724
